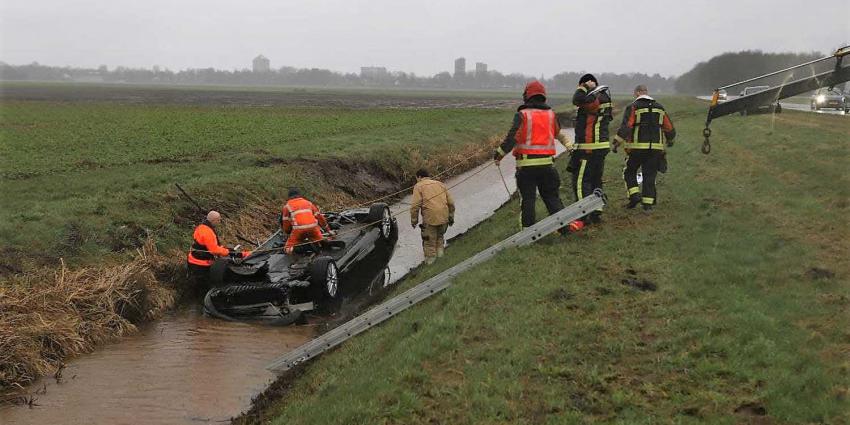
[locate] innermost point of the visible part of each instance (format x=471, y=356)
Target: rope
x=508, y=191
x=457, y=164
x=367, y=225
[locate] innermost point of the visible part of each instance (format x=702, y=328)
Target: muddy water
x=190, y=369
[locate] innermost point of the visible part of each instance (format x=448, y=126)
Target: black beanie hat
x=294, y=192
x=587, y=77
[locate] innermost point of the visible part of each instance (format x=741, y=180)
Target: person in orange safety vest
x=302, y=221
x=532, y=140
x=205, y=248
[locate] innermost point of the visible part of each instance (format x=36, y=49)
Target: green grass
x=748, y=249
x=83, y=180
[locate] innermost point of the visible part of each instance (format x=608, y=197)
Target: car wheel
x=324, y=277
x=380, y=215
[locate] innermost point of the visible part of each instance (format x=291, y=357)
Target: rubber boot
x=634, y=200
x=430, y=260
x=440, y=251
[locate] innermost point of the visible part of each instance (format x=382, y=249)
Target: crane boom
x=838, y=75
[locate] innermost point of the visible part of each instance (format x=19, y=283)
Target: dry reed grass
x=48, y=317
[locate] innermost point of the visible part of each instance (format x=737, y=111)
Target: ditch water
x=190, y=369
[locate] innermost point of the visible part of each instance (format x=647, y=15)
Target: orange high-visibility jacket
x=299, y=213
x=536, y=134
x=205, y=246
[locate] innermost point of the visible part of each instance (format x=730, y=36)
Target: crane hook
x=706, y=144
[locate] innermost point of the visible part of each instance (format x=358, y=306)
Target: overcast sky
x=424, y=36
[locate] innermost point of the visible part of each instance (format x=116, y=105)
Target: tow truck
x=839, y=74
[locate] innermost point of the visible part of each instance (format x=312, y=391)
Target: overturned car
x=273, y=288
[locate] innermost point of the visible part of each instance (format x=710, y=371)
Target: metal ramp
x=433, y=285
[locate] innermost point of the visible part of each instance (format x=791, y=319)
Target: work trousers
x=433, y=239
x=648, y=161
x=199, y=276
x=542, y=178
x=302, y=236
x=587, y=169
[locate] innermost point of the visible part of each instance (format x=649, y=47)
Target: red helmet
x=533, y=88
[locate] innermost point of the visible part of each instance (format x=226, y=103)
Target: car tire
x=380, y=215
x=324, y=277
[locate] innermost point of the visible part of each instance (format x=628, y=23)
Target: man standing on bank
x=432, y=198
x=645, y=127
x=587, y=161
x=532, y=140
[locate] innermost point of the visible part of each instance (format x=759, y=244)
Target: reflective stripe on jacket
x=646, y=125
x=536, y=134
x=592, y=119
x=519, y=133
x=205, y=246
x=300, y=214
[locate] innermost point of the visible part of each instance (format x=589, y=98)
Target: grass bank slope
x=91, y=181
x=728, y=304
x=84, y=180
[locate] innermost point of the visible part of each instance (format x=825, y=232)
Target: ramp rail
x=433, y=285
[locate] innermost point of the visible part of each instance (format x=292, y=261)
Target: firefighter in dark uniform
x=645, y=127
x=532, y=140
x=587, y=161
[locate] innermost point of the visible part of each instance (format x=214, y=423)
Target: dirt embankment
x=53, y=314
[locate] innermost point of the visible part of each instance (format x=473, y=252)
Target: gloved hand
x=331, y=232
x=669, y=143
x=616, y=143
x=451, y=221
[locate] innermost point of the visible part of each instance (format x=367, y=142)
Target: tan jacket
x=434, y=200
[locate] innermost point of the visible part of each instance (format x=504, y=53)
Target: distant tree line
x=728, y=68
x=702, y=79
x=289, y=76
x=618, y=83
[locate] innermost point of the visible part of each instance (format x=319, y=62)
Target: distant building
x=262, y=64
x=480, y=69
x=460, y=67
x=373, y=72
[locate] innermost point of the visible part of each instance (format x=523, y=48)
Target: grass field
x=84, y=179
x=87, y=177
x=744, y=315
